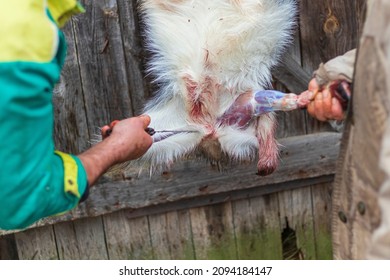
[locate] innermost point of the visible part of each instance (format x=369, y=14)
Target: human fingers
x=140, y=138
x=146, y=120
x=104, y=131
x=337, y=110
x=129, y=139
x=311, y=109
x=319, y=107
x=107, y=129
x=327, y=104
x=313, y=86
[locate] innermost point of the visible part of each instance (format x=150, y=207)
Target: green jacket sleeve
x=35, y=181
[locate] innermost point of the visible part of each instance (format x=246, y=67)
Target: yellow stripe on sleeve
x=61, y=11
x=70, y=174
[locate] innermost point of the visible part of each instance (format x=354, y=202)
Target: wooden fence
x=193, y=211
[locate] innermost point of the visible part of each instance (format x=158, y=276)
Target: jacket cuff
x=62, y=11
x=338, y=68
x=75, y=177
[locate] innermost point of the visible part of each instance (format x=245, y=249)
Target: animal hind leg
x=268, y=146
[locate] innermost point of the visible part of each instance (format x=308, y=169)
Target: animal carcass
x=209, y=56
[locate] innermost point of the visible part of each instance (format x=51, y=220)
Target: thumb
x=313, y=86
x=145, y=119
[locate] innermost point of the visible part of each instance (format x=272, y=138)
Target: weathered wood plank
x=291, y=123
x=127, y=238
x=70, y=130
x=171, y=235
x=37, y=244
x=8, y=249
x=134, y=54
x=81, y=240
x=159, y=237
x=101, y=61
x=300, y=159
x=257, y=228
x=90, y=238
x=213, y=234
x=228, y=196
x=297, y=217
x=66, y=239
x=118, y=236
x=290, y=73
x=322, y=217
x=294, y=51
x=208, y=200
x=328, y=29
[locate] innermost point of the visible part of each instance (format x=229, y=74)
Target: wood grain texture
x=135, y=54
x=328, y=29
x=127, y=238
x=90, y=238
x=101, y=55
x=37, y=244
x=322, y=214
x=81, y=240
x=257, y=228
x=227, y=196
x=290, y=73
x=71, y=128
x=66, y=240
x=291, y=123
x=8, y=249
x=213, y=235
x=296, y=214
x=142, y=192
x=171, y=235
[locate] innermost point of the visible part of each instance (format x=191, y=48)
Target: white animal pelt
x=205, y=53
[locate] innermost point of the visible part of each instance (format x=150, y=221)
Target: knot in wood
x=331, y=25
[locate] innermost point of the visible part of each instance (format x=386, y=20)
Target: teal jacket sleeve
x=35, y=180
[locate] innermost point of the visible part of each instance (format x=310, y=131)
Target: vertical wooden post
x=328, y=29
x=356, y=212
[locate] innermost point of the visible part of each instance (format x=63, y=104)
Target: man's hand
x=324, y=106
x=127, y=141
x=128, y=138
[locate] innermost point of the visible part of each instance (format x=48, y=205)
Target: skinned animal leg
x=268, y=146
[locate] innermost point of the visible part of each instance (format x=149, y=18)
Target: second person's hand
x=324, y=106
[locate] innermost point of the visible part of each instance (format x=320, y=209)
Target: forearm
x=127, y=141
x=97, y=160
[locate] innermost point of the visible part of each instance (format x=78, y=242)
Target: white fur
x=242, y=40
